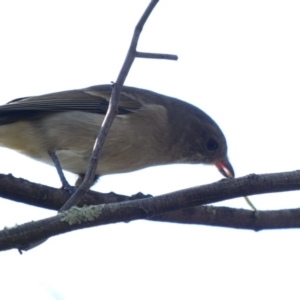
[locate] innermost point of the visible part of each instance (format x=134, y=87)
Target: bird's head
x=202, y=139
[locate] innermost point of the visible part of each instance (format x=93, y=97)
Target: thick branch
x=21, y=190
x=19, y=237
x=24, y=191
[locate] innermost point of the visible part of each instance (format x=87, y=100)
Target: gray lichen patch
x=76, y=215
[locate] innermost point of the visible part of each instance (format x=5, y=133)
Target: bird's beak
x=225, y=168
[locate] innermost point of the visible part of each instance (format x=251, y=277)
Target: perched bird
x=149, y=130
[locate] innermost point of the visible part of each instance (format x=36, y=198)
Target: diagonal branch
x=113, y=106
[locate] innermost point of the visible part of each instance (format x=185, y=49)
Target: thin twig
x=112, y=111
x=156, y=55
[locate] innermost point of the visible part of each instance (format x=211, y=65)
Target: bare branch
x=76, y=218
x=111, y=112
x=24, y=191
x=156, y=55
x=234, y=218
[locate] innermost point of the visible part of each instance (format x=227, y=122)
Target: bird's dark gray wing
x=94, y=99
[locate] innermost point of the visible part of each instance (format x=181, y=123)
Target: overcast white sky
x=238, y=61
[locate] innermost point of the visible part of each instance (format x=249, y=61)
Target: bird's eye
x=211, y=145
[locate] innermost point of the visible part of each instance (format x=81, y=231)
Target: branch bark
x=177, y=207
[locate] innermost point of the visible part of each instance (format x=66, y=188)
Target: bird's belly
x=77, y=164
x=107, y=164
x=71, y=136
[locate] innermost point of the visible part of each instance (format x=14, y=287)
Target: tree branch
x=156, y=55
x=113, y=107
x=162, y=208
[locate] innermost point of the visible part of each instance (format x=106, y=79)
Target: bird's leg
x=60, y=172
x=66, y=186
x=81, y=177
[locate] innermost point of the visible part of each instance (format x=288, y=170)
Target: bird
x=150, y=129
